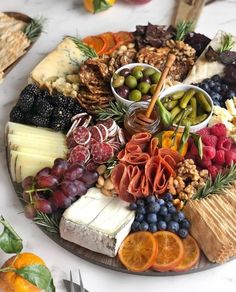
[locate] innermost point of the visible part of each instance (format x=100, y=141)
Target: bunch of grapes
x=57, y=187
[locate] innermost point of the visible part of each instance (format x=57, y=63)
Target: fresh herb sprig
x=115, y=110
x=111, y=163
x=49, y=223
x=222, y=181
x=182, y=29
x=34, y=28
x=227, y=43
x=88, y=51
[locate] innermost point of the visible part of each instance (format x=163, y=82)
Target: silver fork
x=72, y=288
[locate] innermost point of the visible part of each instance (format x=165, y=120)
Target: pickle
x=182, y=114
x=177, y=95
x=200, y=110
x=193, y=103
x=171, y=104
x=202, y=100
x=174, y=112
x=165, y=99
x=186, y=98
x=186, y=121
x=199, y=119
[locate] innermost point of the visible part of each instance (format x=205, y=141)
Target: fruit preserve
x=130, y=119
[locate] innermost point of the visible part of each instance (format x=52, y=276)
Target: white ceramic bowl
x=184, y=87
x=120, y=99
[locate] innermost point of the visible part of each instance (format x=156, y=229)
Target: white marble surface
x=68, y=17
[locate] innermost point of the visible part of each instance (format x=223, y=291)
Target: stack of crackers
x=13, y=42
x=213, y=224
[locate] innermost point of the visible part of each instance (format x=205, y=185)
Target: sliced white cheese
x=203, y=69
x=97, y=222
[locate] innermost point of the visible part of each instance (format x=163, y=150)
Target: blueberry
x=162, y=225
x=211, y=84
x=151, y=218
x=151, y=199
x=161, y=202
x=139, y=217
x=206, y=80
x=141, y=210
x=216, y=78
x=183, y=233
x=216, y=96
x=140, y=202
x=205, y=86
x=185, y=224
x=173, y=226
x=153, y=227
x=168, y=197
x=133, y=206
x=217, y=89
x=224, y=87
x=169, y=204
x=172, y=210
x=153, y=207
x=231, y=94
x=143, y=226
x=168, y=217
x=163, y=211
x=135, y=226
x=179, y=216
x=217, y=84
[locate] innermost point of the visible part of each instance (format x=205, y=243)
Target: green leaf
x=184, y=137
x=182, y=29
x=87, y=51
x=10, y=241
x=39, y=276
x=227, y=43
x=197, y=140
x=165, y=115
x=100, y=5
x=34, y=28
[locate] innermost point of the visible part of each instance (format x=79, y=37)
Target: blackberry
x=40, y=121
x=44, y=109
x=30, y=89
x=77, y=109
x=62, y=113
x=26, y=101
x=16, y=115
x=28, y=118
x=58, y=125
x=63, y=101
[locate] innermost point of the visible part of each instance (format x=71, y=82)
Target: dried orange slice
x=109, y=41
x=191, y=255
x=170, y=251
x=96, y=43
x=138, y=251
x=123, y=37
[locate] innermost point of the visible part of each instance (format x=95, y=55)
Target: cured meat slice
x=91, y=165
x=153, y=149
x=174, y=154
x=135, y=180
x=101, y=152
x=142, y=139
x=122, y=155
x=108, y=123
x=132, y=147
x=79, y=154
x=104, y=131
x=121, y=136
x=96, y=133
x=70, y=141
x=81, y=135
x=136, y=158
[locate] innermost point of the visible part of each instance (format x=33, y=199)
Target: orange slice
x=170, y=251
x=96, y=43
x=123, y=37
x=138, y=251
x=109, y=41
x=191, y=255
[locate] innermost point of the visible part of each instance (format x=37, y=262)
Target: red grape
x=61, y=161
x=30, y=211
x=44, y=171
x=81, y=187
x=60, y=200
x=90, y=177
x=27, y=183
x=46, y=181
x=69, y=188
x=43, y=205
x=74, y=172
x=59, y=167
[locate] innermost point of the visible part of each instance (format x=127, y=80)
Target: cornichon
x=202, y=99
x=186, y=98
x=199, y=119
x=178, y=95
x=175, y=111
x=171, y=104
x=193, y=103
x=183, y=114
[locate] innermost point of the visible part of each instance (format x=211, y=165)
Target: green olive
x=137, y=74
x=155, y=77
x=152, y=89
x=137, y=68
x=135, y=95
x=119, y=81
x=131, y=81
x=144, y=87
x=148, y=72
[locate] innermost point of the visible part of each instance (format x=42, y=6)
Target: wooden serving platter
x=27, y=19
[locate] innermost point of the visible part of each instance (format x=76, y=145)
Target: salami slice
x=121, y=136
x=113, y=130
x=79, y=154
x=107, y=123
x=78, y=116
x=81, y=135
x=104, y=131
x=96, y=134
x=101, y=152
x=70, y=141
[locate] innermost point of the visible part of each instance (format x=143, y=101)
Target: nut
x=101, y=169
x=106, y=192
x=101, y=181
x=98, y=186
x=108, y=185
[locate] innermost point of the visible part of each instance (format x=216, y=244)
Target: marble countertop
x=68, y=17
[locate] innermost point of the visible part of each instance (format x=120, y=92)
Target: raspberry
x=209, y=140
x=218, y=130
x=203, y=163
x=230, y=157
x=213, y=171
x=208, y=152
x=219, y=157
x=203, y=132
x=193, y=150
x=224, y=143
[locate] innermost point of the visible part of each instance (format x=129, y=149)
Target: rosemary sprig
x=88, y=52
x=50, y=223
x=34, y=28
x=182, y=29
x=116, y=111
x=227, y=43
x=111, y=163
x=222, y=180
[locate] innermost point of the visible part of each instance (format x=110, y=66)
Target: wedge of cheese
x=97, y=222
x=62, y=61
x=204, y=69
